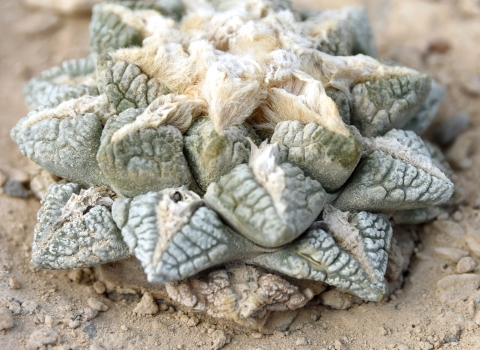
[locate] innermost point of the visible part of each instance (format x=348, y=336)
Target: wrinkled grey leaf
x=270, y=214
x=318, y=257
x=125, y=85
x=109, y=31
x=64, y=140
x=388, y=103
x=148, y=159
x=174, y=236
x=398, y=174
x=211, y=155
x=71, y=79
x=323, y=155
x=76, y=230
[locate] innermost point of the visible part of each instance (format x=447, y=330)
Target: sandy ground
x=435, y=308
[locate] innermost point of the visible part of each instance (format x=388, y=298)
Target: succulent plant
x=246, y=132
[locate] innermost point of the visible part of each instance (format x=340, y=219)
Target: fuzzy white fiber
x=98, y=105
x=251, y=61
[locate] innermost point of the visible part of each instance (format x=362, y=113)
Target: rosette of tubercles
x=242, y=132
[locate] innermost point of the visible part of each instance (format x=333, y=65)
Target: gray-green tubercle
x=182, y=146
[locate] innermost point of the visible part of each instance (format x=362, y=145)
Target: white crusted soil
x=52, y=308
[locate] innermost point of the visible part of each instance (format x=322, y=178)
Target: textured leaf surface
x=211, y=155
x=323, y=155
x=365, y=236
x=198, y=240
x=108, y=31
x=318, y=257
x=398, y=174
x=252, y=211
x=125, y=85
x=148, y=159
x=72, y=79
x=388, y=103
x=64, y=145
x=75, y=235
x=330, y=34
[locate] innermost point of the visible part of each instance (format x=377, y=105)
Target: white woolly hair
x=177, y=69
x=177, y=110
x=252, y=60
x=232, y=90
x=304, y=99
x=254, y=39
x=282, y=63
x=344, y=72
x=220, y=27
x=98, y=105
x=264, y=162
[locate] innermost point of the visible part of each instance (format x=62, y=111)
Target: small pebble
x=6, y=319
x=123, y=328
x=90, y=329
x=96, y=347
x=15, y=308
x=99, y=287
x=337, y=299
x=465, y=265
x=219, y=339
x=453, y=334
x=15, y=188
x=74, y=324
x=257, y=335
x=339, y=345
x=75, y=275
x=301, y=341
x=471, y=86
x=49, y=321
x=146, y=306
x=29, y=307
x=457, y=288
x=89, y=314
x=41, y=182
x=443, y=216
x=97, y=305
x=164, y=307
x=450, y=254
x=457, y=216
x=41, y=338
x=13, y=283
x=193, y=322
